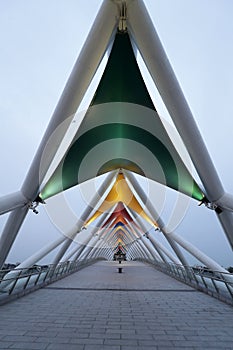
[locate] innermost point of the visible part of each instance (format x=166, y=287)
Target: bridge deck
x=99, y=308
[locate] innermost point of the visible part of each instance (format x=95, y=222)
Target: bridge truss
x=120, y=135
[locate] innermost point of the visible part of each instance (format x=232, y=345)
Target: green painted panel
x=122, y=129
x=122, y=80
x=178, y=179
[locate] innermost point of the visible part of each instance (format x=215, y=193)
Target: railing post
x=47, y=272
x=27, y=281
x=195, y=277
x=15, y=282
x=229, y=289
x=203, y=280
x=38, y=277
x=215, y=286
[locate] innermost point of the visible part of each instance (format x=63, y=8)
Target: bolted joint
x=212, y=206
x=33, y=206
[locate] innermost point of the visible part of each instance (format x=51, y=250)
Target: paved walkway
x=99, y=308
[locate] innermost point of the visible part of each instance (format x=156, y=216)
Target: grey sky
x=39, y=43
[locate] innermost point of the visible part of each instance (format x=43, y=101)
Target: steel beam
x=85, y=215
x=132, y=179
x=78, y=82
x=10, y=231
x=12, y=201
x=147, y=40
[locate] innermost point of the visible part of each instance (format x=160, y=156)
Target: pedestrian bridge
x=99, y=308
x=151, y=296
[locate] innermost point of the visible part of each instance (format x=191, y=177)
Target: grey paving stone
x=5, y=345
x=102, y=347
x=112, y=336
x=12, y=332
x=203, y=344
x=126, y=347
x=141, y=336
x=86, y=341
x=137, y=317
x=65, y=347
x=18, y=338
x=122, y=342
x=155, y=342
x=55, y=340
x=42, y=333
x=29, y=346
x=169, y=337
x=177, y=348
x=100, y=335
x=97, y=330
x=129, y=331
x=73, y=334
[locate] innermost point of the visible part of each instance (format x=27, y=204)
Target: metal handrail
x=17, y=281
x=215, y=283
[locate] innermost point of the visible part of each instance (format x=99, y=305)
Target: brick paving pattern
x=98, y=308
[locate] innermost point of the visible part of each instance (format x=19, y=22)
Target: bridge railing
x=214, y=283
x=17, y=282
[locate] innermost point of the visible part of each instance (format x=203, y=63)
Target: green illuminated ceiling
x=121, y=129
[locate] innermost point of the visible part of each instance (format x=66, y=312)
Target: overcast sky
x=39, y=43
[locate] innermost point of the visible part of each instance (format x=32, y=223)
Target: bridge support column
x=213, y=265
x=146, y=252
x=154, y=244
x=83, y=254
x=136, y=249
x=13, y=224
x=155, y=215
x=154, y=252
x=143, y=252
x=78, y=251
x=91, y=249
x=207, y=261
x=163, y=249
x=12, y=201
x=85, y=215
x=155, y=58
x=157, y=245
x=80, y=78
